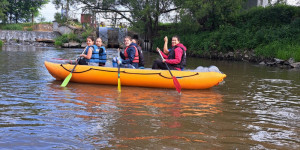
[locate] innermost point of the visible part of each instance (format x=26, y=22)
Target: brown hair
x=91, y=37
x=99, y=38
x=128, y=37
x=176, y=36
x=137, y=41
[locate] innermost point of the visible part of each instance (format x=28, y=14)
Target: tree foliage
x=210, y=14
x=3, y=5
x=66, y=5
x=143, y=15
x=21, y=10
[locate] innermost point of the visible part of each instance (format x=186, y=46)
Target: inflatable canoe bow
x=135, y=77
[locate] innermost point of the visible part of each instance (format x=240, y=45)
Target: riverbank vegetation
x=20, y=26
x=72, y=37
x=270, y=32
x=214, y=26
x=205, y=27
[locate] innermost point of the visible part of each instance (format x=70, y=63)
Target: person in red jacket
x=175, y=59
x=130, y=56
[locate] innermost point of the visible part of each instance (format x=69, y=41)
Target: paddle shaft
x=175, y=81
x=68, y=78
x=77, y=60
x=118, y=64
x=119, y=80
x=165, y=63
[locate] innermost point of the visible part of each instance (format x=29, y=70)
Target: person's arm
x=163, y=54
x=178, y=55
x=89, y=53
x=166, y=50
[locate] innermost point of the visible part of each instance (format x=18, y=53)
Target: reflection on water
x=256, y=107
x=137, y=113
x=190, y=103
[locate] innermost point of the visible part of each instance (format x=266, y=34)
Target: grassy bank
x=20, y=26
x=271, y=32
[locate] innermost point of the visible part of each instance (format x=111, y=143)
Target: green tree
x=143, y=15
x=3, y=5
x=65, y=5
x=210, y=14
x=23, y=11
x=33, y=7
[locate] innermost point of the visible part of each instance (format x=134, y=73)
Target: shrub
x=283, y=49
x=86, y=33
x=60, y=19
x=256, y=29
x=61, y=39
x=265, y=17
x=12, y=27
x=73, y=37
x=65, y=38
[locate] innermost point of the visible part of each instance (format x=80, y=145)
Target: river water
x=256, y=107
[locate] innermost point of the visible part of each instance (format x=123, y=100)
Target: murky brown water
x=257, y=107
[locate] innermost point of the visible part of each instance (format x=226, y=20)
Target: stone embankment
x=251, y=57
x=35, y=38
x=43, y=35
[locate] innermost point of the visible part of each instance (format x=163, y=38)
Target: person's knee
x=154, y=65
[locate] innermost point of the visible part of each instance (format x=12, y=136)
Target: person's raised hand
x=157, y=49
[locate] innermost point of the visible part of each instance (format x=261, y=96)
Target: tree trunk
x=32, y=18
x=156, y=18
x=67, y=9
x=16, y=17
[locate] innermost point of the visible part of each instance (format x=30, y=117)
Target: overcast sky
x=48, y=12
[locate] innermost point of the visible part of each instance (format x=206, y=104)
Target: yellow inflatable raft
x=135, y=77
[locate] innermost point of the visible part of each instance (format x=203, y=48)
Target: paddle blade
x=66, y=81
x=177, y=85
x=119, y=85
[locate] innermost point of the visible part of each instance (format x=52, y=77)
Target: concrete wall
x=7, y=35
x=112, y=37
x=43, y=27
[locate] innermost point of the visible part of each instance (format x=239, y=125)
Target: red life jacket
x=136, y=55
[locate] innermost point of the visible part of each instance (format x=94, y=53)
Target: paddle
x=175, y=81
x=68, y=78
x=119, y=80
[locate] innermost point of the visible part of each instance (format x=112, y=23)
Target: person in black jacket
x=141, y=55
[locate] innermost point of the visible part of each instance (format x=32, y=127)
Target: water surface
x=256, y=107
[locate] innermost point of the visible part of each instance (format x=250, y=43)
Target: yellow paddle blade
x=66, y=81
x=119, y=85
